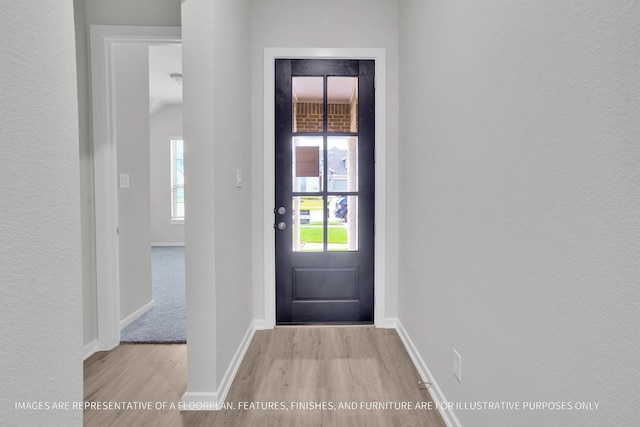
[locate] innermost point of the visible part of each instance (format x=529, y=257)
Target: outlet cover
x=457, y=365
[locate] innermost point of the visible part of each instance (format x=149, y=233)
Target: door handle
x=282, y=225
x=281, y=210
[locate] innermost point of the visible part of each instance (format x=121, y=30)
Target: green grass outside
x=311, y=234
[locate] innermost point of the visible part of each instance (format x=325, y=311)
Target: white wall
x=519, y=152
x=114, y=12
x=232, y=139
x=40, y=256
x=218, y=215
x=87, y=208
x=329, y=24
x=138, y=12
x=132, y=121
x=164, y=125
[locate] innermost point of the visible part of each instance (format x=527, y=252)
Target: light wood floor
x=288, y=365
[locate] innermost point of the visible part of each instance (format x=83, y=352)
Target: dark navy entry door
x=325, y=190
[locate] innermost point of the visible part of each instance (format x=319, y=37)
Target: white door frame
x=104, y=39
x=270, y=55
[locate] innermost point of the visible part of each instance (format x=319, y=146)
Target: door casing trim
x=103, y=40
x=379, y=56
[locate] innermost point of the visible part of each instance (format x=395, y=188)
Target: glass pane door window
x=177, y=180
x=324, y=159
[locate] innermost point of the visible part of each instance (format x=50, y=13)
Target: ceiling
x=163, y=90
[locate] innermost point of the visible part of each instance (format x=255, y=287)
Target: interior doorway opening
x=165, y=320
x=108, y=179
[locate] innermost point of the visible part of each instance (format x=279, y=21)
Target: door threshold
x=325, y=325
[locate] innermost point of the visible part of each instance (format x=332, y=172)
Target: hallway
x=303, y=373
x=506, y=211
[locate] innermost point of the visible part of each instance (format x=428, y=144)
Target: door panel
x=325, y=284
x=325, y=190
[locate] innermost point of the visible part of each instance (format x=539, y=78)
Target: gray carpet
x=166, y=322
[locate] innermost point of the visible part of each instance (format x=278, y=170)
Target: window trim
x=174, y=217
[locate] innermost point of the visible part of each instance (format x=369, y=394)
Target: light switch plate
x=124, y=180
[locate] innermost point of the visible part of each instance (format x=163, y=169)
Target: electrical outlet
x=457, y=365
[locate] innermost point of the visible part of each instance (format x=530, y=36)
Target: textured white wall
x=138, y=12
x=519, y=153
x=87, y=208
x=332, y=24
x=164, y=124
x=232, y=140
x=40, y=261
x=115, y=12
x=132, y=136
x=200, y=256
x=218, y=215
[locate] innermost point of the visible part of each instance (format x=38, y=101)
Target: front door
x=325, y=191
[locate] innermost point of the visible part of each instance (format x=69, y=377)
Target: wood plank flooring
x=298, y=368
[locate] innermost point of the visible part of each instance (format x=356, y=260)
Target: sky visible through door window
x=177, y=180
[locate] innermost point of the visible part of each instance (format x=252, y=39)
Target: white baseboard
x=447, y=413
x=199, y=401
x=212, y=401
x=388, y=323
x=89, y=349
x=166, y=244
x=225, y=385
x=135, y=315
x=261, y=324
